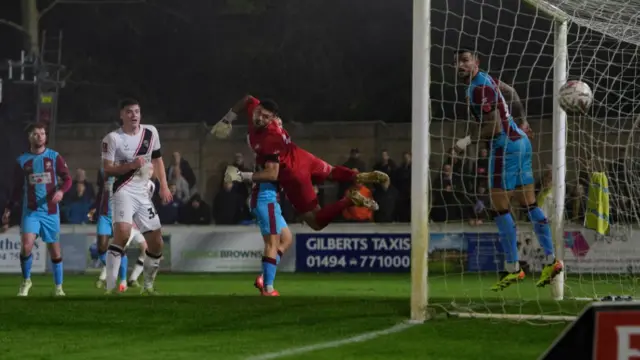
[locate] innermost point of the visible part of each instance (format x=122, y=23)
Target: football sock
x=56, y=265
x=137, y=269
x=269, y=267
x=124, y=265
x=508, y=239
x=25, y=265
x=543, y=231
x=151, y=265
x=103, y=258
x=103, y=273
x=114, y=257
x=278, y=257
x=325, y=215
x=343, y=174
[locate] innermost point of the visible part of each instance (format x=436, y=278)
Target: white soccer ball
x=575, y=97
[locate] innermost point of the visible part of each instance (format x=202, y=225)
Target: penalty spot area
x=336, y=343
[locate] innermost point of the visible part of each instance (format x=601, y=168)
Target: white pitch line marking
x=334, y=344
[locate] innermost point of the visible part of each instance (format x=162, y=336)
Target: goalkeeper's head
x=467, y=63
x=265, y=112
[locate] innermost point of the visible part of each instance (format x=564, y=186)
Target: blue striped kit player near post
x=510, y=165
x=37, y=186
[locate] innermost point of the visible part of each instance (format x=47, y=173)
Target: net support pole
x=559, y=150
x=420, y=147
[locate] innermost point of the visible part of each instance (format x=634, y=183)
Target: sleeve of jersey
x=63, y=171
x=108, y=148
x=252, y=103
x=273, y=146
x=485, y=97
x=155, y=150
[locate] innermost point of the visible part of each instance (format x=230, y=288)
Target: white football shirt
x=122, y=148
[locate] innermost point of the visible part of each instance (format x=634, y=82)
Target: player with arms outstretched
x=510, y=167
x=127, y=154
x=277, y=237
x=36, y=185
x=294, y=168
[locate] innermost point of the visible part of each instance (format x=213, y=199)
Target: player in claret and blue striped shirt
x=36, y=185
x=510, y=166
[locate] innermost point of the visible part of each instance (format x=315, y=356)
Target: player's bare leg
x=26, y=260
x=269, y=263
x=138, y=267
x=55, y=253
x=284, y=241
x=527, y=198
x=501, y=203
x=103, y=244
x=152, y=259
x=121, y=233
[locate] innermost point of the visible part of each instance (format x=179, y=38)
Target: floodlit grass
x=222, y=317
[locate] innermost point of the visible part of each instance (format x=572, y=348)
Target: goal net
x=515, y=42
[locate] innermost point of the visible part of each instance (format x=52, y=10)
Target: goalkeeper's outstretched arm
x=222, y=128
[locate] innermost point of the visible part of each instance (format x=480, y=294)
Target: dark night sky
x=321, y=60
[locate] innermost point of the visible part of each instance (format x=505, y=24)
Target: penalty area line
x=336, y=343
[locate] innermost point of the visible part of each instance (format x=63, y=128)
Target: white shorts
x=135, y=239
x=129, y=207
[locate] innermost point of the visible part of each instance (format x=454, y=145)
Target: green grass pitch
x=220, y=316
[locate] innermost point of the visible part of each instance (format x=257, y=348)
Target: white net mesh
x=516, y=45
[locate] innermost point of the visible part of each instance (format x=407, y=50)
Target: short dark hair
x=464, y=50
x=270, y=105
x=38, y=125
x=127, y=102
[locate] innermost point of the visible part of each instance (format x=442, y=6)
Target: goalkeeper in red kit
x=293, y=168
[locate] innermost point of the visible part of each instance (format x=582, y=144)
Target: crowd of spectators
x=459, y=192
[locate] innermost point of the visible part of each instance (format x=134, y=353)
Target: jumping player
x=275, y=232
x=126, y=154
x=510, y=166
x=36, y=185
x=293, y=167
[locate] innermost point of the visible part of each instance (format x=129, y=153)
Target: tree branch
x=86, y=2
x=13, y=25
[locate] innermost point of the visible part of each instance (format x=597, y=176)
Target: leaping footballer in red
x=291, y=166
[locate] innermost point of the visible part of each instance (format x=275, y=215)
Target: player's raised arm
x=513, y=100
x=222, y=128
x=109, y=165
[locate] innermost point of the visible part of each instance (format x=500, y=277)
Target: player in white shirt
x=136, y=239
x=128, y=154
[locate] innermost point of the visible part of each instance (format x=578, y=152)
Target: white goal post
x=559, y=11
